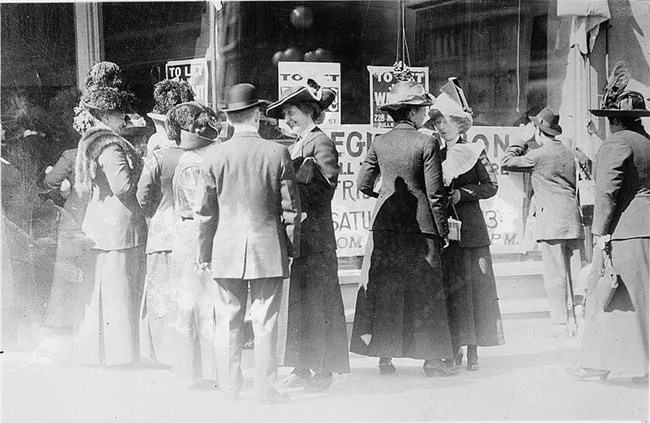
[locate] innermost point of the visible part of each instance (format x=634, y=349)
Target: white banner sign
x=382, y=78
x=327, y=75
x=352, y=210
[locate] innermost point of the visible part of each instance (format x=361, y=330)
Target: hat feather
x=616, y=83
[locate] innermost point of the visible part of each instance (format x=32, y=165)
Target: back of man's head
x=248, y=116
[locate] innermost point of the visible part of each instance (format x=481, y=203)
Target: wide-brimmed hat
x=323, y=97
x=548, y=122
x=452, y=103
x=108, y=98
x=407, y=94
x=184, y=122
x=627, y=104
x=242, y=97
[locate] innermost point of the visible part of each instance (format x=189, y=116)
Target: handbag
x=608, y=281
x=454, y=226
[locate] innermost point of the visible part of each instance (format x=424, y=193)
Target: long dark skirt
x=316, y=334
x=403, y=307
x=616, y=338
x=472, y=300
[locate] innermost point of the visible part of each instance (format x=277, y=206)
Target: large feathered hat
x=167, y=94
x=618, y=100
x=324, y=97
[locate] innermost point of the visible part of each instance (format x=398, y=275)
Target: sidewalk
x=522, y=380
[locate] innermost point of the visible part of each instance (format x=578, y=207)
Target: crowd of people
x=158, y=255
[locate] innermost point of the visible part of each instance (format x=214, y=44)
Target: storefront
x=512, y=58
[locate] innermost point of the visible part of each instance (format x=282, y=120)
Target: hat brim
x=237, y=107
x=399, y=105
x=301, y=96
x=156, y=116
x=546, y=129
x=191, y=140
x=634, y=113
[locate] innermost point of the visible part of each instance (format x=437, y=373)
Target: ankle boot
x=472, y=358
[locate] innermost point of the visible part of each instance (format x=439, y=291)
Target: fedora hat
x=627, y=104
x=548, y=122
x=324, y=97
x=242, y=97
x=407, y=94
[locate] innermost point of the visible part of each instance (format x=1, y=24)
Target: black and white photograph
x=324, y=211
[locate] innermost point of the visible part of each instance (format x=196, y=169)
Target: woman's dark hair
x=402, y=113
x=626, y=122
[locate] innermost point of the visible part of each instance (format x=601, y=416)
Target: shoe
x=472, y=358
x=458, y=356
x=297, y=379
x=434, y=368
x=586, y=373
x=640, y=380
x=319, y=383
x=274, y=397
x=386, y=366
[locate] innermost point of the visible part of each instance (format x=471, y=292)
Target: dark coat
x=249, y=208
x=622, y=175
x=410, y=166
x=317, y=230
x=479, y=183
x=553, y=170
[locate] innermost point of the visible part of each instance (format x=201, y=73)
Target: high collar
x=405, y=124
x=244, y=128
x=305, y=131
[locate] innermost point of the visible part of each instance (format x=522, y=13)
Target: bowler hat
x=627, y=104
x=300, y=94
x=407, y=94
x=242, y=97
x=548, y=122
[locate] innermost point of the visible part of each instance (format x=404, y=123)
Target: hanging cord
x=405, y=46
x=398, y=38
x=518, y=48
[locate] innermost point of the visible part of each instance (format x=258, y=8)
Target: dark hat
x=300, y=94
x=407, y=94
x=627, y=104
x=548, y=122
x=107, y=98
x=242, y=97
x=186, y=122
x=167, y=94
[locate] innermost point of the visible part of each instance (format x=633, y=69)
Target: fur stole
x=91, y=146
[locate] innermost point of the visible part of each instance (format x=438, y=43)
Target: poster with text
x=352, y=211
x=195, y=72
x=382, y=78
x=327, y=75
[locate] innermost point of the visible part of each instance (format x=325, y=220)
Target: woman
x=156, y=197
x=166, y=94
x=107, y=168
x=402, y=312
x=191, y=313
x=69, y=265
x=468, y=175
x=616, y=335
x=316, y=335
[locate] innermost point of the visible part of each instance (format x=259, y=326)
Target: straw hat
x=407, y=94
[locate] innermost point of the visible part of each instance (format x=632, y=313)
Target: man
x=250, y=223
x=558, y=228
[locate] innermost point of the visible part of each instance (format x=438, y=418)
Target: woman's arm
x=487, y=186
x=118, y=173
x=369, y=173
x=149, y=190
x=61, y=171
x=435, y=188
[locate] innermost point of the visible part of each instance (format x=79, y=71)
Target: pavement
x=522, y=380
